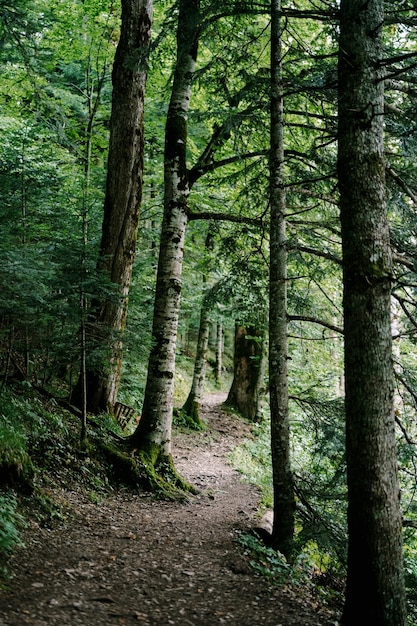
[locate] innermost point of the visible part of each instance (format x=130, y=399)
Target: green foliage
x=27, y=431
x=11, y=523
x=410, y=573
x=183, y=378
x=15, y=465
x=270, y=563
x=55, y=105
x=319, y=475
x=274, y=566
x=307, y=571
x=56, y=65
x=253, y=460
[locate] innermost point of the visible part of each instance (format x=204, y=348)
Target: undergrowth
x=321, y=533
x=11, y=523
x=272, y=564
x=302, y=573
x=252, y=459
x=39, y=449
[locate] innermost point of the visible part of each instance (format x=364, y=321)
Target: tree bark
x=191, y=409
x=154, y=429
x=284, y=503
x=219, y=352
x=244, y=391
x=375, y=588
x=122, y=199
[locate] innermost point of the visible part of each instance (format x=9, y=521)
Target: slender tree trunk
x=123, y=198
x=191, y=408
x=244, y=391
x=92, y=110
x=375, y=587
x=154, y=429
x=219, y=352
x=284, y=504
x=261, y=391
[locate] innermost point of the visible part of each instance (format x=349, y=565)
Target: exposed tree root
x=149, y=470
x=189, y=416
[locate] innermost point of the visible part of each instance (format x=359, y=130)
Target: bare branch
x=225, y=217
x=316, y=320
x=319, y=253
x=197, y=171
x=402, y=184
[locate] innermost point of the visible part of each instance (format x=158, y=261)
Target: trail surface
x=131, y=560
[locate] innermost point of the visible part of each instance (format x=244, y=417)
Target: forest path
x=132, y=560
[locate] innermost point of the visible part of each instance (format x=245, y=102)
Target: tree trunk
x=219, y=352
x=191, y=409
x=284, y=503
x=122, y=200
x=154, y=429
x=244, y=392
x=375, y=587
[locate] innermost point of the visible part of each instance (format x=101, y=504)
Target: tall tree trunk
x=284, y=504
x=154, y=429
x=219, y=352
x=123, y=198
x=191, y=409
x=375, y=587
x=244, y=391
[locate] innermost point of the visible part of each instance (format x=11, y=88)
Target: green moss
x=123, y=465
x=165, y=468
x=189, y=417
x=148, y=469
x=159, y=472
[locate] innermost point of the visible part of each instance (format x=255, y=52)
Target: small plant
x=303, y=572
x=273, y=565
x=10, y=523
x=264, y=560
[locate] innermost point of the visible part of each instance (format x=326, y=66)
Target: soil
x=129, y=559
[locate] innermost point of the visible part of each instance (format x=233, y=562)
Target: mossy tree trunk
x=191, y=408
x=284, y=502
x=375, y=586
x=247, y=367
x=122, y=203
x=153, y=434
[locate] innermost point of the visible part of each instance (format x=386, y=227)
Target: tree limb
x=199, y=170
x=225, y=217
x=316, y=320
x=323, y=255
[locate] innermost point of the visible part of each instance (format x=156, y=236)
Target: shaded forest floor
x=130, y=559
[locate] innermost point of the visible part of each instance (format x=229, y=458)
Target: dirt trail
x=131, y=560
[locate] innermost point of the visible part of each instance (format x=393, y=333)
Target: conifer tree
x=375, y=585
x=284, y=503
x=122, y=200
